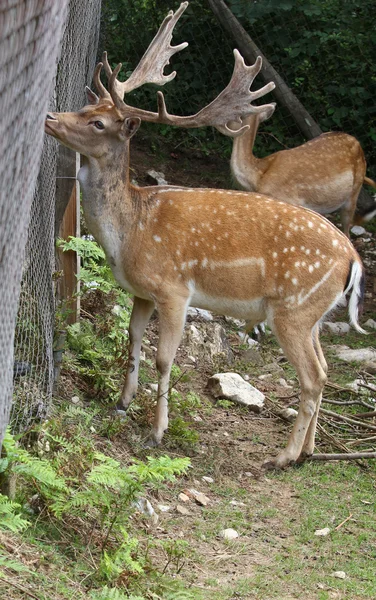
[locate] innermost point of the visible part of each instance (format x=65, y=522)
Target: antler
x=156, y=58
x=233, y=103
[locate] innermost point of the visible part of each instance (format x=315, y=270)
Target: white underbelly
x=253, y=309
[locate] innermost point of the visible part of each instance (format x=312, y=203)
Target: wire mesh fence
x=34, y=336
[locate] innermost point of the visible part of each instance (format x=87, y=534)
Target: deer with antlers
x=325, y=174
x=235, y=253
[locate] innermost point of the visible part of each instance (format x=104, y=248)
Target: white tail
x=236, y=253
x=325, y=174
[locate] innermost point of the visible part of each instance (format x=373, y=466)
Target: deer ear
x=130, y=126
x=91, y=97
x=268, y=112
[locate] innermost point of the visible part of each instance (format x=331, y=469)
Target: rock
x=182, y=510
x=207, y=479
x=289, y=414
x=236, y=503
x=265, y=377
x=283, y=383
x=253, y=357
x=183, y=497
x=192, y=359
x=145, y=507
x=357, y=387
x=273, y=367
x=246, y=339
x=339, y=328
x=358, y=230
x=199, y=497
x=322, y=532
x=370, y=367
x=75, y=400
x=359, y=355
x=339, y=574
x=229, y=534
x=370, y=323
x=163, y=507
x=232, y=386
x=156, y=177
x=199, y=313
x=207, y=340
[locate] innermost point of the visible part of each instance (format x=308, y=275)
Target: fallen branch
x=350, y=456
x=361, y=441
x=19, y=587
x=343, y=522
x=347, y=419
x=348, y=402
x=366, y=415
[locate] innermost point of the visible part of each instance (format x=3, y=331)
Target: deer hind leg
x=141, y=313
x=297, y=344
x=309, y=442
x=348, y=209
x=171, y=323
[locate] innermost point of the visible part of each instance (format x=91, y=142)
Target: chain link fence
x=35, y=33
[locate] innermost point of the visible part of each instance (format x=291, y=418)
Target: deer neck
x=245, y=167
x=108, y=199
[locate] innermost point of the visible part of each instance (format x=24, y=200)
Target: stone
x=156, y=177
x=289, y=414
x=207, y=340
x=231, y=386
x=339, y=328
x=358, y=230
x=207, y=479
x=246, y=339
x=339, y=574
x=370, y=323
x=253, y=357
x=358, y=355
x=199, y=313
x=163, y=507
x=322, y=532
x=145, y=507
x=183, y=497
x=199, y=497
x=182, y=510
x=229, y=534
x=370, y=367
x=75, y=400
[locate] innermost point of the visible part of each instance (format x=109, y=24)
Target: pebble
x=229, y=534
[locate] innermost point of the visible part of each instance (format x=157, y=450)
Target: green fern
x=112, y=594
x=9, y=519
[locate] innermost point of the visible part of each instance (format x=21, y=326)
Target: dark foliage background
x=324, y=50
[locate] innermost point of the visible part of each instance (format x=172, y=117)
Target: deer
x=325, y=174
x=236, y=253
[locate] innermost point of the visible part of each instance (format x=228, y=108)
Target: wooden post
x=68, y=210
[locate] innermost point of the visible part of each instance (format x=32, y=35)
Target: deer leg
x=309, y=442
x=348, y=210
x=299, y=349
x=141, y=313
x=171, y=324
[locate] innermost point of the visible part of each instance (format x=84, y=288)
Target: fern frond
x=9, y=519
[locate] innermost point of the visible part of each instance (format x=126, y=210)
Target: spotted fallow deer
x=235, y=253
x=325, y=174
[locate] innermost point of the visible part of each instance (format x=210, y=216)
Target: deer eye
x=98, y=124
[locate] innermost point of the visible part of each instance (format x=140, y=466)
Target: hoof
x=121, y=414
x=276, y=465
x=150, y=443
x=303, y=457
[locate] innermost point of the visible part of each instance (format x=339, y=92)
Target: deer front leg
x=141, y=313
x=171, y=323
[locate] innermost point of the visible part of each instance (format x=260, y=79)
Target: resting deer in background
x=235, y=253
x=324, y=174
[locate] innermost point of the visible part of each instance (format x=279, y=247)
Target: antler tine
x=114, y=88
x=233, y=103
x=103, y=93
x=155, y=59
